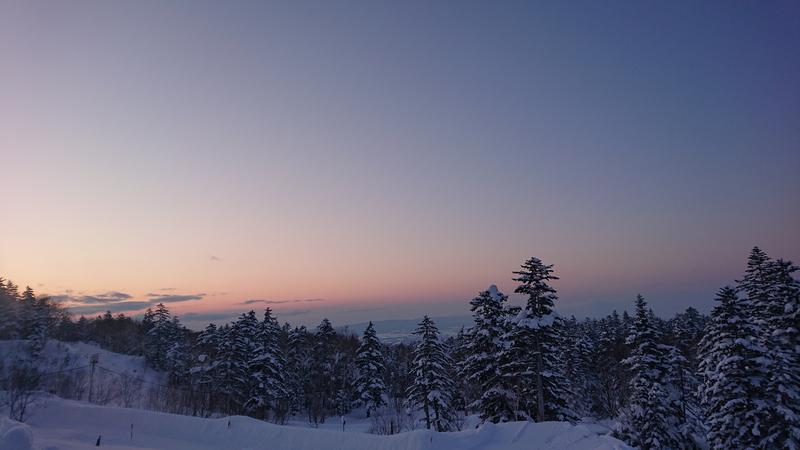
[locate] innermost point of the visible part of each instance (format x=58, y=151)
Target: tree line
x=728, y=380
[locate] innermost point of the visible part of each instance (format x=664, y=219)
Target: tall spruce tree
x=8, y=311
x=610, y=389
x=27, y=316
x=733, y=369
x=684, y=333
x=465, y=393
x=577, y=346
x=431, y=388
x=646, y=421
x=178, y=357
x=298, y=368
x=245, y=333
x=204, y=366
x=783, y=327
x=369, y=385
x=683, y=404
x=43, y=321
x=159, y=337
x=771, y=292
x=230, y=369
x=321, y=387
x=266, y=367
x=482, y=366
x=533, y=360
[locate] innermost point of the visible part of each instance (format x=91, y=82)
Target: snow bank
x=15, y=435
x=67, y=425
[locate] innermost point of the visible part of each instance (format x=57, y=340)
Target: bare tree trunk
x=539, y=387
x=427, y=415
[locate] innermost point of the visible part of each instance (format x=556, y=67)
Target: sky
x=381, y=160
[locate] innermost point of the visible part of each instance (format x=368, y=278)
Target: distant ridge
x=398, y=330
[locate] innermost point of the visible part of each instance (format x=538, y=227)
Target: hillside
x=64, y=368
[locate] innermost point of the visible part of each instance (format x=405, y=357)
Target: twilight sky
x=375, y=160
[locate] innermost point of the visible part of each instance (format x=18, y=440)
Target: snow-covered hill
x=67, y=425
x=60, y=356
x=64, y=368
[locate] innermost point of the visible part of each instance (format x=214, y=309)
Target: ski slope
x=58, y=424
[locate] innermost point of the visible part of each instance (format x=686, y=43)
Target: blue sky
x=383, y=156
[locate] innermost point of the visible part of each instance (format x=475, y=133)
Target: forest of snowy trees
x=728, y=380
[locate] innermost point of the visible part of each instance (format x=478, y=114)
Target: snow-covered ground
x=58, y=424
x=15, y=435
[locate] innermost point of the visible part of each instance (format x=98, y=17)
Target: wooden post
x=93, y=361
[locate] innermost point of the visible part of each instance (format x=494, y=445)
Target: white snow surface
x=15, y=435
x=59, y=424
x=535, y=323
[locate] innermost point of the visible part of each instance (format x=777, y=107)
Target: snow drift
x=15, y=435
x=67, y=425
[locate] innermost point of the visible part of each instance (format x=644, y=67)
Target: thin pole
x=93, y=362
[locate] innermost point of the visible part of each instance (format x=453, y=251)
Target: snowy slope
x=61, y=356
x=67, y=425
x=120, y=380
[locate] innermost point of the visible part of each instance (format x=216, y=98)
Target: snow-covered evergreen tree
x=734, y=367
x=771, y=295
x=646, y=421
x=203, y=367
x=782, y=328
x=465, y=393
x=27, y=313
x=369, y=385
x=577, y=347
x=482, y=366
x=298, y=368
x=177, y=360
x=266, y=367
x=159, y=337
x=321, y=388
x=8, y=310
x=231, y=369
x=244, y=334
x=432, y=387
x=147, y=320
x=533, y=360
x=609, y=392
x=685, y=412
